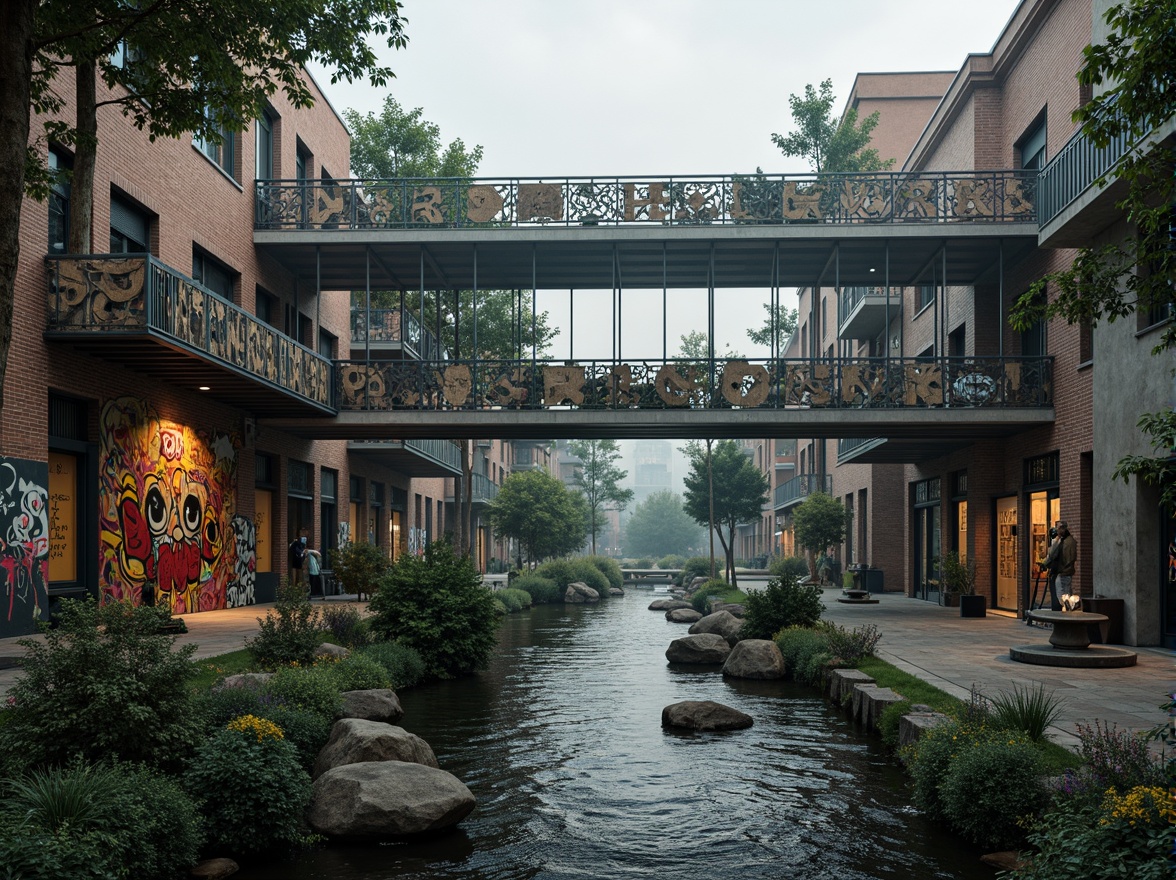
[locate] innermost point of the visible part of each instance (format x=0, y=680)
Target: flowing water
x=561, y=742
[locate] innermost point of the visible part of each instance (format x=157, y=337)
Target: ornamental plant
x=782, y=603
x=404, y=665
x=543, y=590
x=289, y=632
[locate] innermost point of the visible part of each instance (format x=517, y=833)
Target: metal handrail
x=390, y=325
x=801, y=486
x=1076, y=166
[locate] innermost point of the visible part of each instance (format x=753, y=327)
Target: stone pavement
x=930, y=642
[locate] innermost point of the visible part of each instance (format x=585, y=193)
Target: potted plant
x=958, y=579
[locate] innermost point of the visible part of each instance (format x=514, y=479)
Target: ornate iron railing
x=678, y=383
x=876, y=197
x=444, y=452
x=802, y=486
x=137, y=294
x=393, y=325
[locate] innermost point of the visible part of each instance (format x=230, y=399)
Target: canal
x=561, y=742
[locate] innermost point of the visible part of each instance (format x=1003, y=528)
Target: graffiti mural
x=24, y=544
x=166, y=496
x=241, y=590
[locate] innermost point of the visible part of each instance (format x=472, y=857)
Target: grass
x=212, y=669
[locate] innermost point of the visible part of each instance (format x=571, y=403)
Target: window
x=1032, y=147
x=926, y=295
x=268, y=308
x=1033, y=340
x=264, y=147
x=224, y=153
x=302, y=162
x=129, y=227
x=212, y=273
x=59, y=168
x=326, y=344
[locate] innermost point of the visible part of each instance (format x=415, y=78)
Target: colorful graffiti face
x=167, y=497
x=24, y=540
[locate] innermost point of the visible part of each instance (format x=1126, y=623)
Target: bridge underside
x=594, y=258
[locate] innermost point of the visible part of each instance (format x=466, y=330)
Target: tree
x=778, y=327
x=660, y=526
x=738, y=493
x=1137, y=273
x=597, y=478
x=399, y=143
x=828, y=144
x=171, y=68
x=820, y=522
x=538, y=510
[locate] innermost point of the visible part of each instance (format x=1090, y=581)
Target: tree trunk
x=81, y=201
x=16, y=71
x=728, y=545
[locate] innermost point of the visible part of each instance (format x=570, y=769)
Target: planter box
x=949, y=600
x=973, y=606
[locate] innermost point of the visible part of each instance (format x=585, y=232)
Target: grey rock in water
x=615, y=591
x=376, y=704
x=733, y=608
x=704, y=715
x=755, y=658
x=721, y=623
x=683, y=615
x=579, y=592
x=378, y=800
x=704, y=648
x=356, y=741
x=667, y=604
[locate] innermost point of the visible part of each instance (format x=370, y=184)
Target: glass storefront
x=1006, y=553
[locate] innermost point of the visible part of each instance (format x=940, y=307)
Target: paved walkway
x=930, y=642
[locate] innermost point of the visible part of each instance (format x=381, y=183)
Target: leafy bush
x=75, y=797
x=1030, y=710
x=157, y=828
x=514, y=599
x=1113, y=759
x=930, y=759
x=990, y=785
x=31, y=853
x=643, y=562
x=359, y=672
x=251, y=789
x=346, y=625
x=695, y=566
x=700, y=598
x=888, y=723
x=103, y=685
x=798, y=644
x=589, y=574
x=671, y=561
x=610, y=569
x=404, y=664
x=289, y=632
x=359, y=567
x=782, y=603
x=307, y=731
x=850, y=646
x=313, y=688
x=566, y=571
x=542, y=590
x=221, y=705
x=783, y=567
x=437, y=604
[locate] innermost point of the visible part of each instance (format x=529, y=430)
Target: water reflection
x=560, y=741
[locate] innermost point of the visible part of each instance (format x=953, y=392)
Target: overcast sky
x=652, y=87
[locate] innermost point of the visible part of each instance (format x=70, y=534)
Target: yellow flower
x=262, y=727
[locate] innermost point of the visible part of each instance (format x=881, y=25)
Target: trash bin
x=1111, y=632
x=872, y=580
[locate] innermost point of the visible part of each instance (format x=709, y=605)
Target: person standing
x=314, y=570
x=1067, y=559
x=297, y=555
x=1049, y=566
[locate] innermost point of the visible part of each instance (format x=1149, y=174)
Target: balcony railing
x=443, y=452
x=862, y=312
x=847, y=446
x=127, y=295
x=802, y=486
x=392, y=325
x=876, y=197
x=483, y=489
x=1076, y=166
x=830, y=383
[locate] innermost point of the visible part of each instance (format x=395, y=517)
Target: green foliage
x=915, y=689
x=788, y=566
x=252, y=792
x=820, y=521
x=799, y=645
x=671, y=560
x=78, y=796
x=888, y=723
x=345, y=625
x=694, y=567
x=400, y=143
x=212, y=669
x=829, y=144
x=436, y=603
x=289, y=633
x=610, y=569
x=358, y=567
x=359, y=672
x=598, y=477
x=30, y=853
x=782, y=603
x=405, y=665
x=104, y=685
x=1113, y=759
x=307, y=731
x=567, y=571
x=850, y=646
x=701, y=597
x=1028, y=710
x=313, y=688
x=956, y=577
x=156, y=829
x=536, y=509
x=221, y=705
x=542, y=590
x=778, y=325
x=513, y=599
x=660, y=524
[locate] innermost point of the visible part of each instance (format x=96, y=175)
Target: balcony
x=413, y=458
x=139, y=312
x=392, y=330
x=484, y=490
x=849, y=448
x=864, y=312
x=801, y=487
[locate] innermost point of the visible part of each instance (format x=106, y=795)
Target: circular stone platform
x=1094, y=657
x=846, y=601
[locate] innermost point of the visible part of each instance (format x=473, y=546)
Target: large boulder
x=377, y=704
x=721, y=623
x=734, y=608
x=579, y=592
x=377, y=800
x=356, y=741
x=667, y=604
x=704, y=715
x=683, y=615
x=755, y=658
x=251, y=680
x=331, y=651
x=704, y=648
x=213, y=869
x=615, y=591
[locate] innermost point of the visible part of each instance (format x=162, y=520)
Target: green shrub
x=798, y=644
x=514, y=599
x=696, y=566
x=79, y=796
x=780, y=604
x=783, y=567
x=405, y=666
x=643, y=562
x=251, y=789
x=1112, y=759
x=359, y=672
x=673, y=560
x=359, y=567
x=700, y=598
x=345, y=625
x=931, y=757
x=816, y=667
x=850, y=646
x=610, y=569
x=888, y=723
x=1030, y=710
x=567, y=571
x=313, y=688
x=221, y=705
x=30, y=853
x=991, y=784
x=307, y=731
x=156, y=825
x=437, y=604
x=103, y=685
x=542, y=590
x=289, y=633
